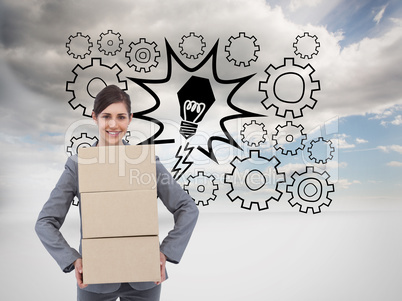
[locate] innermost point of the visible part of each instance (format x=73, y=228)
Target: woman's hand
x=163, y=265
x=78, y=273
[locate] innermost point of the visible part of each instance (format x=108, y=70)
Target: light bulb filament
x=191, y=106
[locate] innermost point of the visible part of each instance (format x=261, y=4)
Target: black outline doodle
x=301, y=39
x=256, y=159
x=284, y=106
x=238, y=81
x=329, y=146
x=72, y=39
x=209, y=187
x=187, y=50
x=110, y=37
x=115, y=70
x=76, y=143
x=75, y=201
x=302, y=198
x=142, y=63
x=187, y=149
x=238, y=62
x=196, y=97
x=249, y=131
x=281, y=138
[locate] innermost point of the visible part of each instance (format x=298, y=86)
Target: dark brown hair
x=109, y=95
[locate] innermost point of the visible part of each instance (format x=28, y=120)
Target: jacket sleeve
x=184, y=210
x=53, y=214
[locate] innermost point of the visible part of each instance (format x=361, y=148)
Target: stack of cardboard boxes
x=119, y=214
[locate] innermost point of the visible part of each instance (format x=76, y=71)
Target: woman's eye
x=122, y=117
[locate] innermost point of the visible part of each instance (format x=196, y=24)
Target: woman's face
x=112, y=123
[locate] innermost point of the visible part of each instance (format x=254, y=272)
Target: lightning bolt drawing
x=183, y=160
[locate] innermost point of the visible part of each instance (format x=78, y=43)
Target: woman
x=112, y=114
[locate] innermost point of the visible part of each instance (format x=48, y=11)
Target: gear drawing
x=110, y=42
x=87, y=83
x=306, y=46
x=253, y=133
x=127, y=136
x=242, y=50
x=192, y=46
x=310, y=189
x=142, y=55
x=258, y=178
x=201, y=188
x=294, y=104
x=82, y=141
x=289, y=138
x=79, y=46
x=321, y=150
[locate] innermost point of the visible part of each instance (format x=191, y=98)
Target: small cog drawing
x=306, y=46
x=242, y=50
x=253, y=133
x=142, y=55
x=289, y=138
x=110, y=42
x=290, y=77
x=201, y=188
x=75, y=201
x=87, y=83
x=192, y=46
x=310, y=189
x=82, y=141
x=79, y=46
x=127, y=136
x=254, y=180
x=321, y=150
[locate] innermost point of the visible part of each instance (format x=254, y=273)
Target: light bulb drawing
x=195, y=98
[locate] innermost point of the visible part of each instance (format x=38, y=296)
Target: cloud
x=342, y=143
x=360, y=141
x=380, y=14
x=394, y=164
x=389, y=148
x=345, y=183
x=296, y=4
x=35, y=66
x=397, y=120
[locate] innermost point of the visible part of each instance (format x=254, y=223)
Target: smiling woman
x=112, y=114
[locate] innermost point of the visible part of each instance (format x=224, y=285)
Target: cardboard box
x=119, y=213
x=124, y=259
x=116, y=168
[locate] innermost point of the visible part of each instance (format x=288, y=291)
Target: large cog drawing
x=201, y=188
x=242, y=50
x=310, y=190
x=306, y=46
x=192, y=46
x=142, y=55
x=254, y=180
x=284, y=104
x=87, y=83
x=110, y=42
x=253, y=133
x=289, y=138
x=82, y=141
x=79, y=46
x=321, y=150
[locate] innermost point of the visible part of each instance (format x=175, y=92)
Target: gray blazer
x=54, y=212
